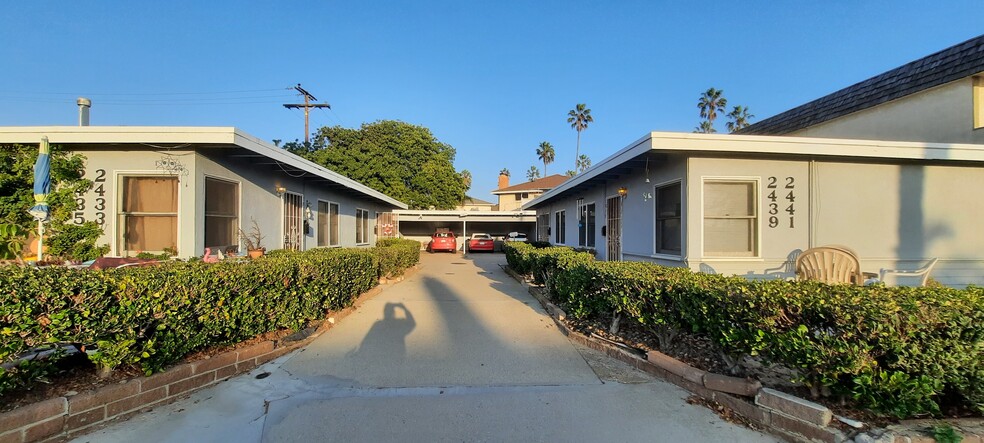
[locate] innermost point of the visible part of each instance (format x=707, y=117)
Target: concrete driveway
x=457, y=352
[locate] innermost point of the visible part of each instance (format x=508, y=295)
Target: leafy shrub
x=152, y=317
x=898, y=350
x=395, y=255
x=77, y=242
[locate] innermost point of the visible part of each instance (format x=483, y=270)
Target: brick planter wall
x=69, y=416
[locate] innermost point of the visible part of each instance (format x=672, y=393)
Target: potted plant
x=253, y=240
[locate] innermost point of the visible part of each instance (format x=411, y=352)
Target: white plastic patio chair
x=917, y=277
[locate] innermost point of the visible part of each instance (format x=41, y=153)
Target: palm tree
x=579, y=117
x=466, y=178
x=705, y=128
x=583, y=162
x=739, y=118
x=532, y=174
x=546, y=154
x=710, y=103
x=570, y=173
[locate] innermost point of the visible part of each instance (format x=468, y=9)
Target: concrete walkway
x=457, y=352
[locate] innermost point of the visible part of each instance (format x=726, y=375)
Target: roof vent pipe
x=84, y=105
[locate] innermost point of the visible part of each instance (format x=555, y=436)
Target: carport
x=420, y=224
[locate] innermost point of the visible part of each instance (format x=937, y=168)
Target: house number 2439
x=777, y=187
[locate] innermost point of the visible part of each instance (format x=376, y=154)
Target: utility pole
x=307, y=105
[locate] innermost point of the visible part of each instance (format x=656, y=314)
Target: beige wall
x=258, y=198
x=893, y=215
x=508, y=202
x=942, y=114
x=110, y=165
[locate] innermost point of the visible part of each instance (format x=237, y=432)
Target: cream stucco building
x=191, y=188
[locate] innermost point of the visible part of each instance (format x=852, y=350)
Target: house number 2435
x=777, y=187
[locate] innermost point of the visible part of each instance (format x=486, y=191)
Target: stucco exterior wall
x=508, y=202
x=942, y=114
x=258, y=198
x=894, y=214
x=260, y=201
x=107, y=167
x=638, y=241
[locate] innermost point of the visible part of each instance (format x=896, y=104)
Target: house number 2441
x=777, y=187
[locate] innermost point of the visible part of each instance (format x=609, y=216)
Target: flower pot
x=255, y=253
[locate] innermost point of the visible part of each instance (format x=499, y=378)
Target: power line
x=308, y=98
x=147, y=93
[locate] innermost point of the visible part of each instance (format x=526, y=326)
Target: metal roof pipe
x=84, y=105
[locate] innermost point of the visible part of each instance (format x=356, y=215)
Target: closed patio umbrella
x=42, y=187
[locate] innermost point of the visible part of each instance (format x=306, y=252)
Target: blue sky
x=492, y=79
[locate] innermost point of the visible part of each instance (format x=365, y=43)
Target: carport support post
x=464, y=236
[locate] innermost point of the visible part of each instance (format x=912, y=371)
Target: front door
x=293, y=223
x=614, y=233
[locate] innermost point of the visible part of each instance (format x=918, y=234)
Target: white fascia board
x=625, y=154
x=260, y=147
x=192, y=135
x=118, y=134
x=683, y=142
x=823, y=147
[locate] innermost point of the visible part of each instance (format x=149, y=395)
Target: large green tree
x=579, y=118
x=399, y=159
x=546, y=154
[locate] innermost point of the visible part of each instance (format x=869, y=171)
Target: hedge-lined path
x=456, y=352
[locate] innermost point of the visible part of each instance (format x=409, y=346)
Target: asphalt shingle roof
x=544, y=183
x=953, y=63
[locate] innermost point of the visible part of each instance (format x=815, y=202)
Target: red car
x=481, y=242
x=442, y=240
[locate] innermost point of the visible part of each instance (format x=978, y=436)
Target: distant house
x=511, y=198
x=191, y=188
x=475, y=204
x=938, y=98
x=748, y=205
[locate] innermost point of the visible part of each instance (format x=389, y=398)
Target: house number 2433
x=98, y=203
x=777, y=187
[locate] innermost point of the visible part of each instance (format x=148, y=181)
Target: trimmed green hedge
x=904, y=351
x=152, y=317
x=396, y=255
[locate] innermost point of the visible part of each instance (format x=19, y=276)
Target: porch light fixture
x=623, y=191
x=280, y=190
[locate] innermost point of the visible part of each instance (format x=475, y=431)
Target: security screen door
x=293, y=223
x=614, y=234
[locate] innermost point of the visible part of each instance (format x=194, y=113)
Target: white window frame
x=365, y=227
x=118, y=175
x=756, y=195
x=683, y=214
x=338, y=240
x=560, y=228
x=583, y=204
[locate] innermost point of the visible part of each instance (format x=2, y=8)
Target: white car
x=516, y=236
